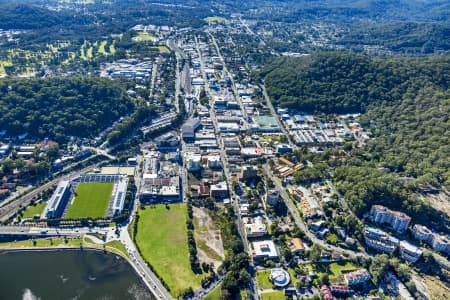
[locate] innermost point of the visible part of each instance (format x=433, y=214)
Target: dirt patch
x=440, y=202
x=207, y=237
x=434, y=288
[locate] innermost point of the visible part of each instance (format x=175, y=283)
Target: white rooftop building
x=264, y=249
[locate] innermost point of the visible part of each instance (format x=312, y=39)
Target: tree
x=315, y=252
x=324, y=279
x=244, y=278
x=403, y=272
x=379, y=266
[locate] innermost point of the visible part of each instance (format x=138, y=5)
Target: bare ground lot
x=207, y=237
x=440, y=202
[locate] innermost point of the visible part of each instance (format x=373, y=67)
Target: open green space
x=43, y=243
x=276, y=295
x=214, y=294
x=144, y=36
x=91, y=200
x=337, y=268
x=214, y=19
x=294, y=279
x=163, y=49
x=262, y=278
x=334, y=270
x=162, y=240
x=112, y=47
x=102, y=49
x=33, y=210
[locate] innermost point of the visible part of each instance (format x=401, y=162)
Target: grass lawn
x=101, y=48
x=163, y=49
x=214, y=19
x=91, y=200
x=337, y=268
x=262, y=278
x=112, y=47
x=294, y=279
x=277, y=295
x=332, y=238
x=33, y=210
x=43, y=243
x=334, y=270
x=162, y=240
x=118, y=246
x=214, y=294
x=143, y=36
x=90, y=53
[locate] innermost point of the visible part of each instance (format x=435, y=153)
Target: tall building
x=249, y=173
x=439, y=242
x=398, y=220
x=380, y=240
x=410, y=252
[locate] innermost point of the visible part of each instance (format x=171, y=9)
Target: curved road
x=299, y=222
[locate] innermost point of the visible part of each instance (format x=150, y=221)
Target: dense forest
x=23, y=16
x=400, y=37
x=60, y=107
x=333, y=82
x=405, y=103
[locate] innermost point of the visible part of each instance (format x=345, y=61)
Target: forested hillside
x=406, y=104
x=61, y=107
x=401, y=37
x=333, y=82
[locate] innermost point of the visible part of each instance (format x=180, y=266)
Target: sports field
x=91, y=200
x=162, y=240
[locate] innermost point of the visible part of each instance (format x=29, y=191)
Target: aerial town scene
x=272, y=149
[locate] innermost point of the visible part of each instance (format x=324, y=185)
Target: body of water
x=60, y=275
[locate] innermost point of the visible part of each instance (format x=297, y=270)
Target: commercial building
x=409, y=252
x=310, y=207
x=214, y=162
x=272, y=197
x=249, y=173
x=380, y=240
x=398, y=220
x=193, y=162
x=284, y=148
x=219, y=191
x=264, y=249
x=255, y=228
x=59, y=200
x=296, y=246
x=160, y=189
x=188, y=129
x=265, y=124
x=438, y=242
x=357, y=277
x=167, y=142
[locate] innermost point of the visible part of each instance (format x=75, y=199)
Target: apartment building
x=397, y=220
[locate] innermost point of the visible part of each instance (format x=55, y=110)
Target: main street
x=223, y=156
